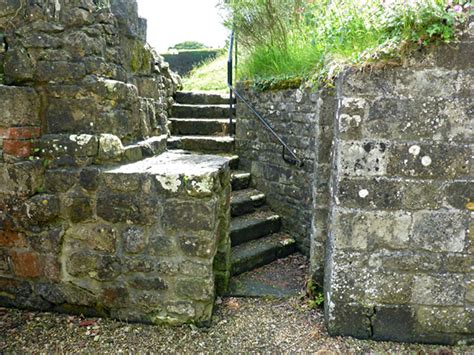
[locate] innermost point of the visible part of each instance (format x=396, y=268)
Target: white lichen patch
x=414, y=150
x=204, y=185
x=169, y=182
x=426, y=161
x=363, y=193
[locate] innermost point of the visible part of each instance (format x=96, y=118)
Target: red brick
x=23, y=132
x=26, y=264
x=12, y=239
x=3, y=133
x=20, y=149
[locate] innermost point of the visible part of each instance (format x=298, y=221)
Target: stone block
x=115, y=296
x=134, y=239
x=440, y=231
x=188, y=216
x=122, y=207
x=23, y=178
x=407, y=261
x=155, y=284
x=122, y=182
x=459, y=194
x=372, y=230
x=196, y=289
x=110, y=148
x=363, y=158
x=98, y=237
x=349, y=320
x=59, y=72
x=161, y=245
x=43, y=208
x=97, y=267
x=195, y=246
x=83, y=145
x=89, y=178
x=462, y=263
x=377, y=193
x=60, y=180
x=389, y=288
x=393, y=323
x=447, y=320
x=78, y=206
x=430, y=161
x=20, y=106
x=422, y=194
x=438, y=290
x=47, y=242
x=18, y=66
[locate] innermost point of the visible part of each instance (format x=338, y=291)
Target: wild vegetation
x=211, y=75
x=314, y=39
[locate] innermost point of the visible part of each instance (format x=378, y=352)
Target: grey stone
x=148, y=284
x=440, y=231
x=134, y=239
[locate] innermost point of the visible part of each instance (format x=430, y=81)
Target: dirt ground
x=239, y=326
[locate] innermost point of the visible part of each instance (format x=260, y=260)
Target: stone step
x=210, y=144
x=234, y=162
x=200, y=126
x=253, y=226
x=256, y=253
x=201, y=98
x=200, y=111
x=246, y=201
x=240, y=180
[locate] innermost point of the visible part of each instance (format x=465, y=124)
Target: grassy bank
x=314, y=39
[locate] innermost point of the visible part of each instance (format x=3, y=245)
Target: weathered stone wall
x=184, y=61
x=400, y=257
x=304, y=119
x=87, y=225
x=396, y=148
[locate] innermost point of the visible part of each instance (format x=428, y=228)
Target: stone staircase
x=200, y=124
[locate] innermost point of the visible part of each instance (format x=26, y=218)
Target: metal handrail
x=293, y=160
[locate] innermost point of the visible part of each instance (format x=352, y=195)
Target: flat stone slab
x=179, y=172
x=282, y=278
x=175, y=163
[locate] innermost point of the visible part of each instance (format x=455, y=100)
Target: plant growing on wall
x=316, y=38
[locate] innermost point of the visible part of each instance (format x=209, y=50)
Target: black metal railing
x=292, y=158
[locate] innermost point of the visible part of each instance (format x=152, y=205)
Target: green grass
x=210, y=76
x=315, y=39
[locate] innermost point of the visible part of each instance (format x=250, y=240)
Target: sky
x=174, y=21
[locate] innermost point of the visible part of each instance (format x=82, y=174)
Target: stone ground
x=239, y=325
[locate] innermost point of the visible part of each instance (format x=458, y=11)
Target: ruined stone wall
x=87, y=225
x=400, y=259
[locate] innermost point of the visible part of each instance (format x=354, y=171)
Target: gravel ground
x=239, y=325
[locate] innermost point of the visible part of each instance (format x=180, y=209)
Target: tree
x=188, y=45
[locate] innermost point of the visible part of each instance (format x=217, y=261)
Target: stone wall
x=400, y=257
x=304, y=119
x=183, y=61
x=387, y=189
x=87, y=224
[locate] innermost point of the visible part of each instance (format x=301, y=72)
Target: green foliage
x=314, y=39
x=315, y=295
x=211, y=75
x=188, y=45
